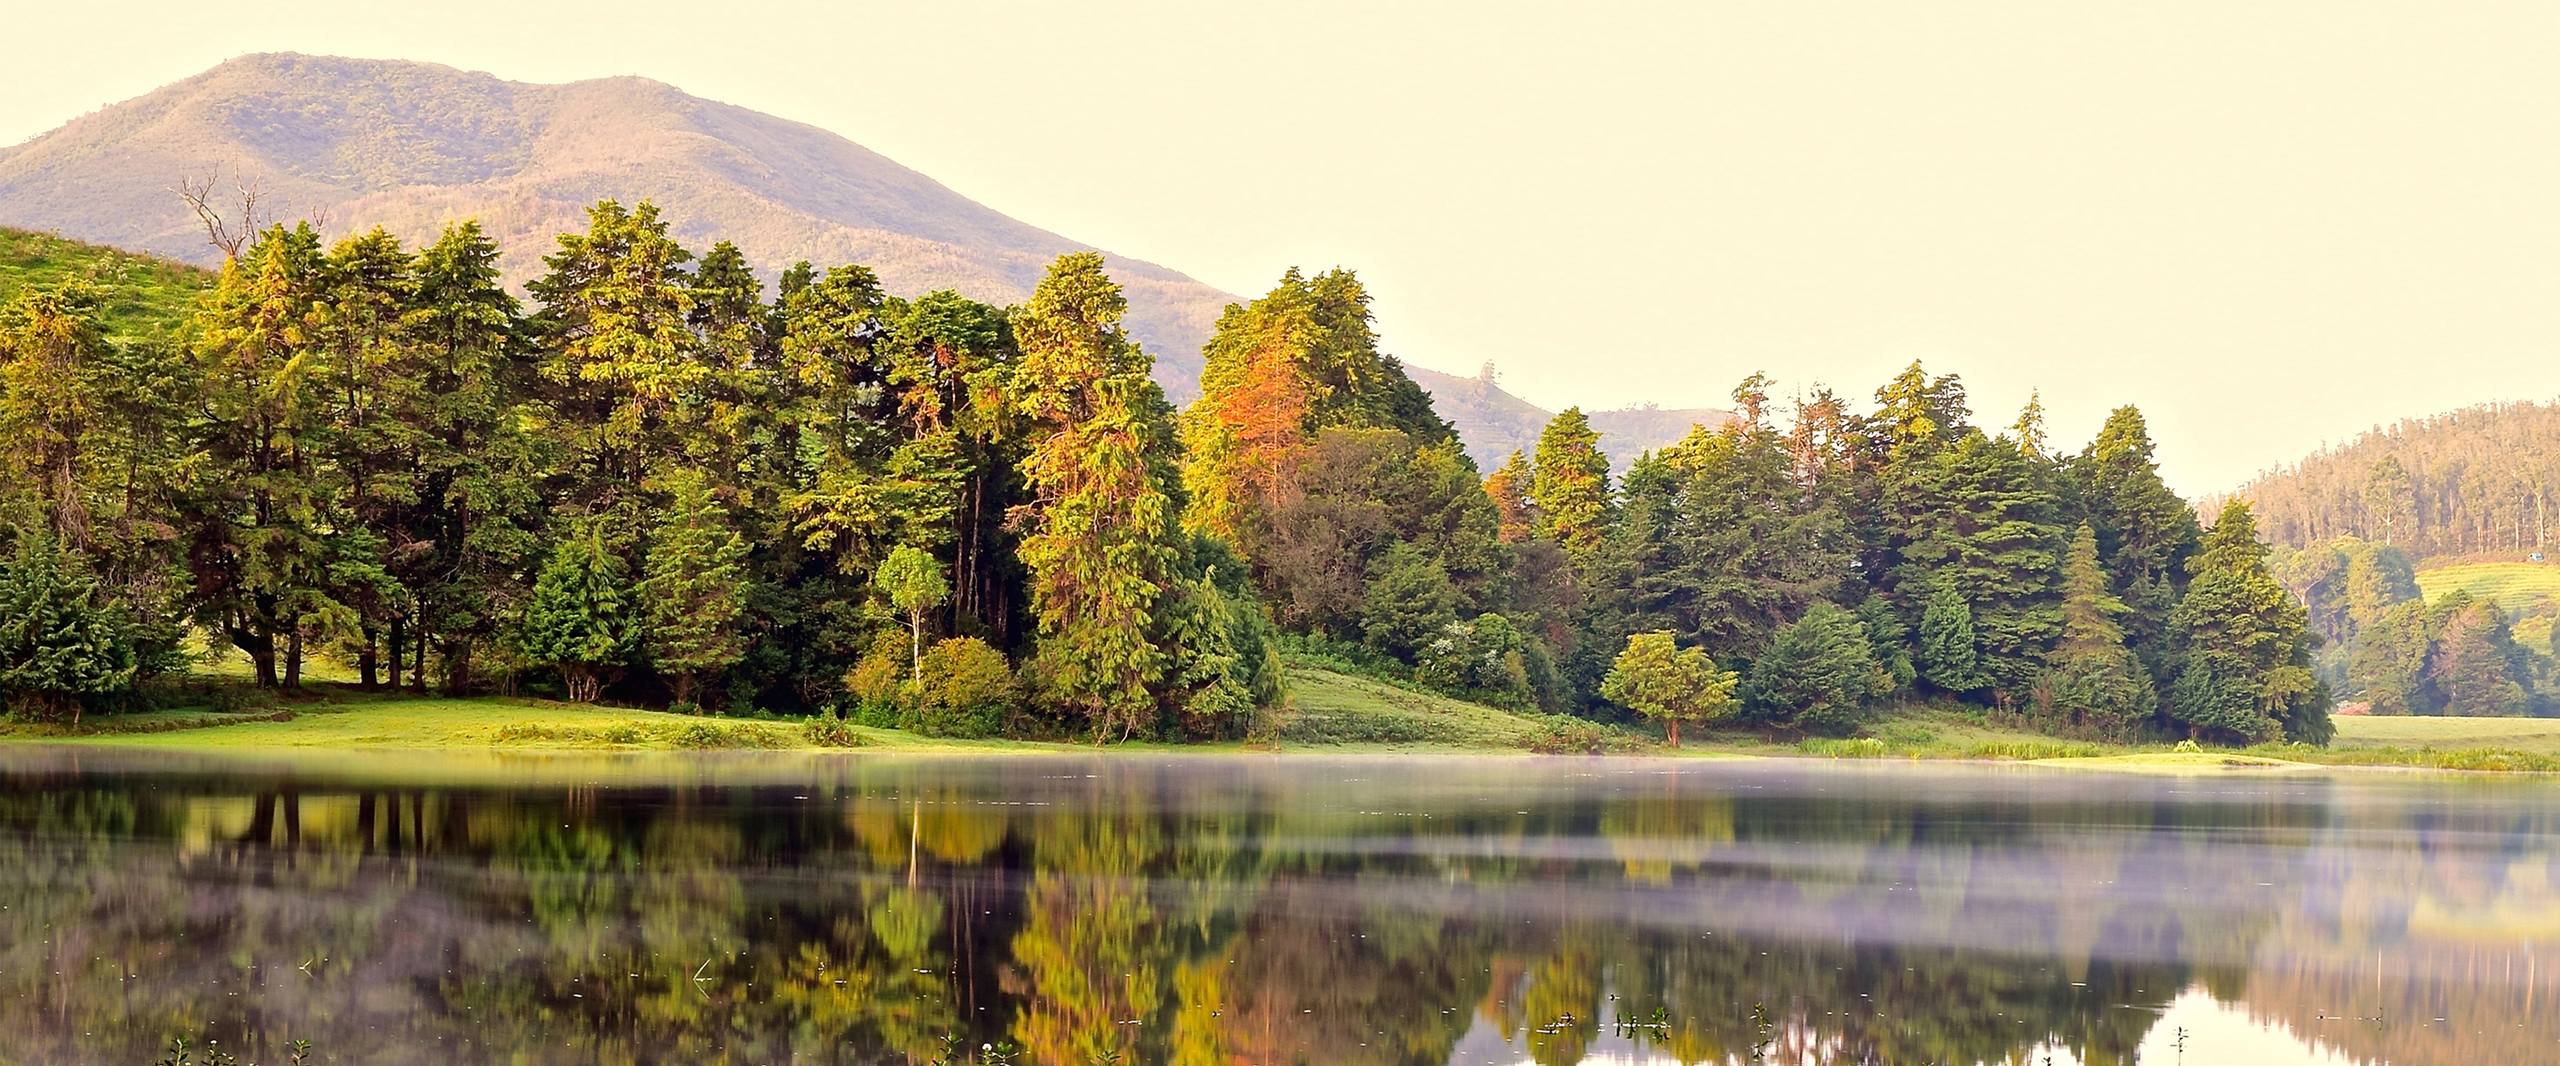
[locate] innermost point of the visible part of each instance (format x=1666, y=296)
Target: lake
x=1217, y=909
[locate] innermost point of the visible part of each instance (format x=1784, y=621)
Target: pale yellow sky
x=2269, y=224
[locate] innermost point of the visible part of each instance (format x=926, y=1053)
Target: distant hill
x=1495, y=423
x=411, y=146
x=2481, y=481
x=147, y=296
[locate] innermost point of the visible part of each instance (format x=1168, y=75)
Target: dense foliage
x=660, y=484
x=2481, y=479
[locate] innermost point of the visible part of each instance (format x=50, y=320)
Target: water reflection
x=1224, y=911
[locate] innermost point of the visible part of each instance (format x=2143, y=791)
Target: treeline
x=2481, y=479
x=2383, y=644
x=657, y=484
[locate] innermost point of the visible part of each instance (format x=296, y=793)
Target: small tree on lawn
x=912, y=579
x=581, y=618
x=1658, y=678
x=60, y=644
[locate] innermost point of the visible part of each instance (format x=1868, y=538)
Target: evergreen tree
x=1948, y=656
x=2243, y=644
x=1987, y=525
x=2387, y=666
x=2476, y=667
x=1817, y=675
x=581, y=618
x=1657, y=678
x=1102, y=546
x=622, y=363
x=2145, y=532
x=1737, y=546
x=370, y=379
x=1569, y=484
x=2094, y=682
x=61, y=643
x=694, y=590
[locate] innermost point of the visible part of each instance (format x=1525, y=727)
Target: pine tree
x=581, y=618
x=2145, y=532
x=2476, y=666
x=1948, y=657
x=370, y=379
x=1657, y=678
x=1570, y=484
x=2093, y=681
x=1409, y=600
x=1102, y=546
x=695, y=587
x=1817, y=675
x=2243, y=644
x=61, y=643
x=622, y=363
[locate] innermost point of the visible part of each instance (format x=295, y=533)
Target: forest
x=2464, y=482
x=650, y=482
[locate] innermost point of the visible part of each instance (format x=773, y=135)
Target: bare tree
x=230, y=233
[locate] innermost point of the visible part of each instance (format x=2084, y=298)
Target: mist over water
x=1203, y=909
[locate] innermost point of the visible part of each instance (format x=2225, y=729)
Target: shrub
x=829, y=731
x=1570, y=736
x=965, y=690
x=876, y=683
x=1852, y=748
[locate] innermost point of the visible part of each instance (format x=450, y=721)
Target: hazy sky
x=2268, y=224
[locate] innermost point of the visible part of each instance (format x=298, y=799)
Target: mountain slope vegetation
x=2481, y=480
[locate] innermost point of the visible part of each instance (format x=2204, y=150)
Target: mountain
x=2482, y=481
x=409, y=146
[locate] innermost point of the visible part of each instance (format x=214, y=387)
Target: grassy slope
x=2521, y=588
x=2540, y=736
x=147, y=297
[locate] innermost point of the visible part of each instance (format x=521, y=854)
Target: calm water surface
x=1214, y=910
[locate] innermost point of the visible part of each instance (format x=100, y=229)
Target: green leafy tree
x=2243, y=644
x=622, y=364
x=693, y=593
x=1409, y=600
x=1657, y=678
x=2387, y=666
x=1817, y=675
x=2476, y=666
x=913, y=581
x=62, y=644
x=1569, y=484
x=581, y=618
x=2093, y=681
x=963, y=689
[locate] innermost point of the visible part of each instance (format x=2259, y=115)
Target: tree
x=1102, y=542
x=1657, y=678
x=2145, y=532
x=2387, y=665
x=581, y=618
x=1817, y=675
x=1569, y=484
x=2093, y=681
x=913, y=581
x=61, y=643
x=621, y=360
x=2476, y=667
x=695, y=587
x=1409, y=600
x=2243, y=644
x=1508, y=486
x=1947, y=657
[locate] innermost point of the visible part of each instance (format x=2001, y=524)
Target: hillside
x=1495, y=423
x=2479, y=481
x=147, y=296
x=411, y=146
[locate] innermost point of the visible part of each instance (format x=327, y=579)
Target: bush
x=876, y=683
x=829, y=731
x=965, y=690
x=1570, y=736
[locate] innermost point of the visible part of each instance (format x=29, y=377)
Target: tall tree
x=912, y=580
x=622, y=363
x=1515, y=516
x=581, y=618
x=2093, y=681
x=1949, y=656
x=1569, y=484
x=2145, y=532
x=1102, y=545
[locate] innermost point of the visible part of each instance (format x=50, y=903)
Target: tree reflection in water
x=1204, y=911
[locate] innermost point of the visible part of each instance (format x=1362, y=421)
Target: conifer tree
x=1516, y=518
x=1101, y=550
x=2476, y=668
x=1570, y=484
x=2243, y=644
x=61, y=643
x=2093, y=680
x=581, y=618
x=694, y=591
x=622, y=363
x=1949, y=657
x=2145, y=532
x=1817, y=675
x=1409, y=600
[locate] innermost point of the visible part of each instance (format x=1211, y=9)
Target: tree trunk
x=261, y=649
x=457, y=667
x=1674, y=725
x=397, y=645
x=683, y=681
x=293, y=658
x=418, y=661
x=369, y=665
x=915, y=642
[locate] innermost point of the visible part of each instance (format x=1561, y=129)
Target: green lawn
x=2521, y=588
x=2540, y=736
x=147, y=297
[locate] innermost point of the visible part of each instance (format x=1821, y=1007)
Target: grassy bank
x=1329, y=712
